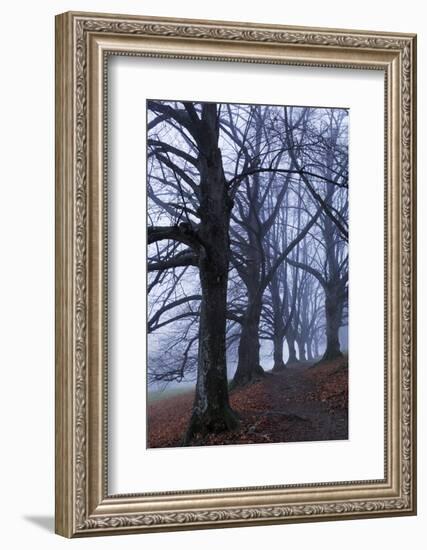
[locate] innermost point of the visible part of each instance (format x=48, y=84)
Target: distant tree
x=331, y=266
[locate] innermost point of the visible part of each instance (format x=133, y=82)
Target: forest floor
x=304, y=402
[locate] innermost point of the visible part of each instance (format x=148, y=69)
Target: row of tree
x=247, y=241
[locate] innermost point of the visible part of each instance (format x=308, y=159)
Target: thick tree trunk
x=301, y=349
x=310, y=356
x=290, y=340
x=211, y=409
x=279, y=364
x=333, y=312
x=316, y=348
x=248, y=366
x=278, y=300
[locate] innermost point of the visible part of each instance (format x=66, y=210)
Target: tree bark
x=290, y=340
x=248, y=366
x=279, y=301
x=316, y=347
x=279, y=364
x=211, y=409
x=301, y=349
x=310, y=356
x=333, y=312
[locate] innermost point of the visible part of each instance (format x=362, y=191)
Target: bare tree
x=206, y=245
x=247, y=220
x=332, y=266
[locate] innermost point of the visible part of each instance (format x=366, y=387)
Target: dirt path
x=298, y=404
x=303, y=413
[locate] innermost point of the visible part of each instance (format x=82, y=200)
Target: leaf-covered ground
x=302, y=403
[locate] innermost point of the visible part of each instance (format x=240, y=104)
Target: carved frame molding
x=83, y=42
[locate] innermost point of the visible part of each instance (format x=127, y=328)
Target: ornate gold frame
x=83, y=506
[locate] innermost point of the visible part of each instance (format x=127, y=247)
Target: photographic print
x=247, y=273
